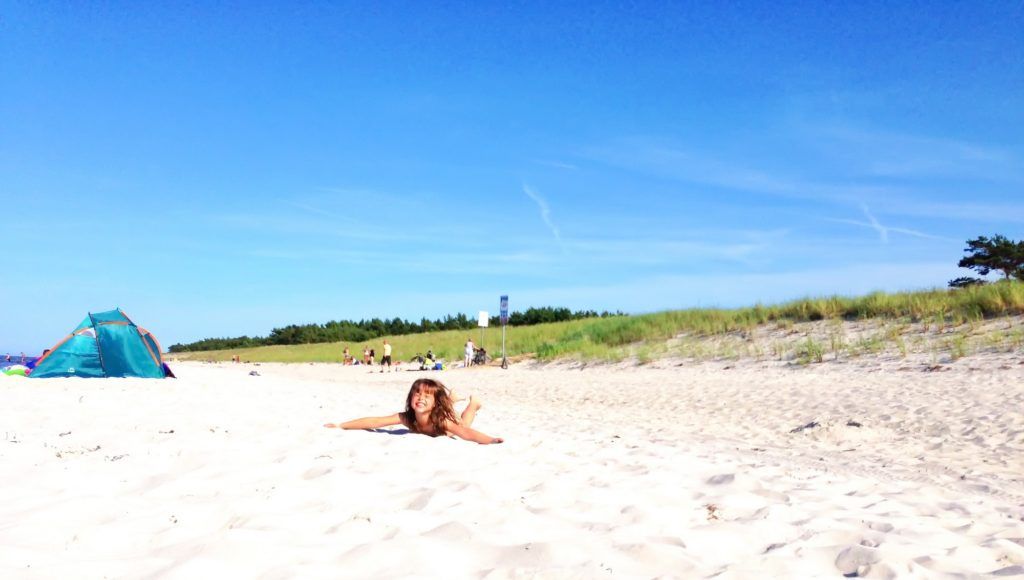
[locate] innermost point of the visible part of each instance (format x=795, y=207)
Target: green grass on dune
x=618, y=337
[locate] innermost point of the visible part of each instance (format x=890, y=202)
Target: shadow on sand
x=402, y=431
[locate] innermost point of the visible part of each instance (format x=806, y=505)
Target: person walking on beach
x=470, y=348
x=386, y=358
x=366, y=354
x=373, y=355
x=430, y=410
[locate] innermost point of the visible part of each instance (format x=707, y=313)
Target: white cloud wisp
x=545, y=212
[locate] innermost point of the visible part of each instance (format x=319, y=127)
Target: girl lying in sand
x=429, y=409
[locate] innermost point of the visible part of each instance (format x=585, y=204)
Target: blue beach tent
x=105, y=344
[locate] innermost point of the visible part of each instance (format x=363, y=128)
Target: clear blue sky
x=222, y=170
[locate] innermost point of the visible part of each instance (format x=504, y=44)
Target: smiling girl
x=429, y=410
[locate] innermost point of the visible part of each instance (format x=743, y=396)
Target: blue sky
x=223, y=170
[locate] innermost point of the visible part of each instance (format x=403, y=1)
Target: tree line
x=366, y=330
x=986, y=255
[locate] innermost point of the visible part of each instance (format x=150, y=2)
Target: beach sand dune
x=745, y=470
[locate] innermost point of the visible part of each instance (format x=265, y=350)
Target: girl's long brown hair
x=440, y=415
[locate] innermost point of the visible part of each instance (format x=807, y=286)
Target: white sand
x=683, y=471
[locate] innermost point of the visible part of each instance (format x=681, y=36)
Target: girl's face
x=422, y=400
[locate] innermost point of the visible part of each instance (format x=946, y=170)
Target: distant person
x=7, y=357
x=470, y=348
x=22, y=358
x=430, y=410
x=386, y=358
x=373, y=356
x=346, y=358
x=366, y=355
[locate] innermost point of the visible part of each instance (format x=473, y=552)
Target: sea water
x=7, y=360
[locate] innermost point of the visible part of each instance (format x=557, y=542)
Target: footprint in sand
x=883, y=527
x=451, y=531
x=722, y=479
x=315, y=472
x=421, y=500
x=856, y=561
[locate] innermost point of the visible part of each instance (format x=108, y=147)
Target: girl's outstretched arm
x=470, y=434
x=367, y=423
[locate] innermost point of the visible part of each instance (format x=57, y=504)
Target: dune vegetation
x=760, y=331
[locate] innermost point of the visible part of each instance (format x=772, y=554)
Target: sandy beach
x=871, y=468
